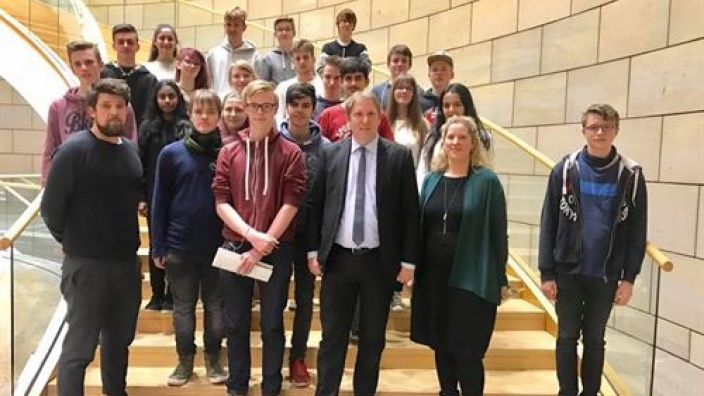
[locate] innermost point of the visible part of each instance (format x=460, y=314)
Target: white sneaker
x=397, y=302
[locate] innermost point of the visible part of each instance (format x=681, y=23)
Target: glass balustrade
x=631, y=329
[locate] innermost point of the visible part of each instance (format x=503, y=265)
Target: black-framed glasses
x=597, y=128
x=265, y=107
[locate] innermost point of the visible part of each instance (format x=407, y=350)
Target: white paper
x=230, y=261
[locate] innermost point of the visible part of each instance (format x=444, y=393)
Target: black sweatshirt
x=90, y=198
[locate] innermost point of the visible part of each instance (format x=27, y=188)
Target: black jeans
x=191, y=274
x=238, y=317
x=102, y=299
x=304, y=282
x=583, y=306
x=157, y=276
x=348, y=278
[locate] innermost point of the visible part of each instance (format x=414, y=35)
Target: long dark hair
x=469, y=110
x=154, y=51
x=154, y=118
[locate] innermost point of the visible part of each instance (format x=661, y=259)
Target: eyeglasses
x=265, y=107
x=190, y=62
x=603, y=128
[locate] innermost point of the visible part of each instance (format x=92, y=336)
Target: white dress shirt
x=371, y=221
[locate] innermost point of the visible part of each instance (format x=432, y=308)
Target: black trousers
x=157, y=276
x=102, y=299
x=348, y=277
x=192, y=274
x=304, y=287
x=238, y=291
x=583, y=306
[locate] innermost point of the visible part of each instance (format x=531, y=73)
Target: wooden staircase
x=520, y=360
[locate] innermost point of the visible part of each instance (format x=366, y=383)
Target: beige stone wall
x=21, y=133
x=533, y=66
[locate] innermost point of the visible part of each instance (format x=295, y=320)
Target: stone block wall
x=21, y=133
x=533, y=66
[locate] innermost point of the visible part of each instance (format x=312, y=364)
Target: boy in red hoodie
x=259, y=183
x=69, y=113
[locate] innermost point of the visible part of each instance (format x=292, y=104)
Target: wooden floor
x=520, y=360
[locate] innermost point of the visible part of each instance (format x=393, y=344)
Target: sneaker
x=354, y=338
x=154, y=304
x=397, y=302
x=300, y=378
x=292, y=305
x=167, y=305
x=213, y=368
x=183, y=371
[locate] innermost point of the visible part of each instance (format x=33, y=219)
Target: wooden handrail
x=21, y=223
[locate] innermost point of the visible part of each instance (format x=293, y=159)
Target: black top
x=447, y=198
x=91, y=196
x=141, y=83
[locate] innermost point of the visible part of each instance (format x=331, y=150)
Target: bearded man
x=90, y=207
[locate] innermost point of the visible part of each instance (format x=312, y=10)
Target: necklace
x=446, y=205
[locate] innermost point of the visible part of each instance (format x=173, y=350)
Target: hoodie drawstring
x=246, y=175
x=248, y=167
x=266, y=165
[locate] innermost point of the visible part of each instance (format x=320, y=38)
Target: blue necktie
x=358, y=224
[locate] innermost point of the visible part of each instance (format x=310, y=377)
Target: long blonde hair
x=478, y=155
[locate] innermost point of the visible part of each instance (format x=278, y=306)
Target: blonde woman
x=241, y=74
x=461, y=278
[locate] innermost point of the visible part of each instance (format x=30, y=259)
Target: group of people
x=291, y=162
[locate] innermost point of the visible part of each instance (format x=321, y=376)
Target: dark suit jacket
x=396, y=200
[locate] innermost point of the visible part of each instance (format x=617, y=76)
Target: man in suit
x=363, y=237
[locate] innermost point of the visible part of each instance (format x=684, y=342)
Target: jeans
x=102, y=299
x=238, y=317
x=583, y=306
x=304, y=282
x=190, y=274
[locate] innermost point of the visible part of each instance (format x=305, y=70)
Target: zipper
x=613, y=227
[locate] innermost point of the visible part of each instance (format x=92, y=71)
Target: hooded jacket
x=561, y=223
x=312, y=149
x=276, y=66
x=221, y=57
x=68, y=115
x=141, y=83
x=258, y=178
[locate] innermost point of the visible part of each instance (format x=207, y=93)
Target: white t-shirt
x=161, y=70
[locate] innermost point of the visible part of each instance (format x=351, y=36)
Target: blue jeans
x=188, y=275
x=273, y=296
x=583, y=307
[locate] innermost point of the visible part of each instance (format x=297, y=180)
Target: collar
x=372, y=146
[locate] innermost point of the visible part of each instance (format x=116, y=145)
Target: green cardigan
x=480, y=260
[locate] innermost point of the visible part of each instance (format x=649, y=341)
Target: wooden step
x=509, y=350
x=513, y=314
x=514, y=283
x=151, y=381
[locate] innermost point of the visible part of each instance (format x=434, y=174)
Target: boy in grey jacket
x=277, y=66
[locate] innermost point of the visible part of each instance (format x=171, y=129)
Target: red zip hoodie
x=258, y=178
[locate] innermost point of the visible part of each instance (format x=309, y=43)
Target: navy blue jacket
x=182, y=212
x=561, y=223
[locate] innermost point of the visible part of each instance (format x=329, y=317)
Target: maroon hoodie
x=68, y=115
x=258, y=178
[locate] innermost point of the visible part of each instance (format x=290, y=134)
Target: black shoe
x=154, y=304
x=167, y=305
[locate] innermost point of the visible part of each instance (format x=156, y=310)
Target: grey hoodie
x=276, y=66
x=222, y=56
